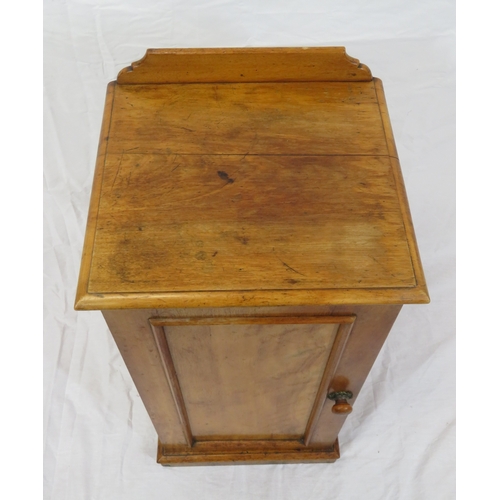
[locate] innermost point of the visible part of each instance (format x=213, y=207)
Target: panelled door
x=252, y=383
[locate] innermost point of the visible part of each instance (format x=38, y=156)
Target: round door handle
x=341, y=406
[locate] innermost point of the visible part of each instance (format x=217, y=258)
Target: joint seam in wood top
x=252, y=154
x=253, y=290
x=239, y=83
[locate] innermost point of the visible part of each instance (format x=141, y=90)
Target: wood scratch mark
x=126, y=280
x=254, y=142
x=219, y=122
x=216, y=96
x=117, y=170
x=290, y=268
x=385, y=269
x=177, y=165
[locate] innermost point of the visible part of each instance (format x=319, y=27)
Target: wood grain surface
x=138, y=348
x=352, y=363
x=250, y=380
x=299, y=118
x=279, y=223
x=250, y=244
x=245, y=65
x=207, y=192
x=245, y=452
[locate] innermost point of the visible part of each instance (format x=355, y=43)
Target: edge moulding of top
x=244, y=65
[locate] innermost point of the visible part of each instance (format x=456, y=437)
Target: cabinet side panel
x=367, y=337
x=135, y=341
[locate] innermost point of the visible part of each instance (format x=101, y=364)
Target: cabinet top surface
x=213, y=189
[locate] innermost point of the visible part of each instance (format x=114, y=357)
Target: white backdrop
x=399, y=442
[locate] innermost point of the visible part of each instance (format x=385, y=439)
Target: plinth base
x=213, y=453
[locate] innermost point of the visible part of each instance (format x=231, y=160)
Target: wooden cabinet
x=250, y=245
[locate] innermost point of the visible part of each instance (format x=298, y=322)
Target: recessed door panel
x=250, y=378
x=249, y=381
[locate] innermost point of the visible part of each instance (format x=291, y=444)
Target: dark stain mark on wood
x=224, y=176
x=293, y=282
x=242, y=239
x=216, y=95
x=215, y=253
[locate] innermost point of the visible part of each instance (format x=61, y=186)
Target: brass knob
x=341, y=406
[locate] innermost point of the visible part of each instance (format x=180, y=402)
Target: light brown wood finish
x=252, y=320
x=245, y=65
x=211, y=191
x=173, y=381
x=257, y=381
x=250, y=380
x=88, y=245
x=365, y=340
x=247, y=119
x=137, y=345
x=400, y=186
x=268, y=230
x=247, y=205
x=330, y=371
x=264, y=298
x=246, y=452
x=367, y=337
